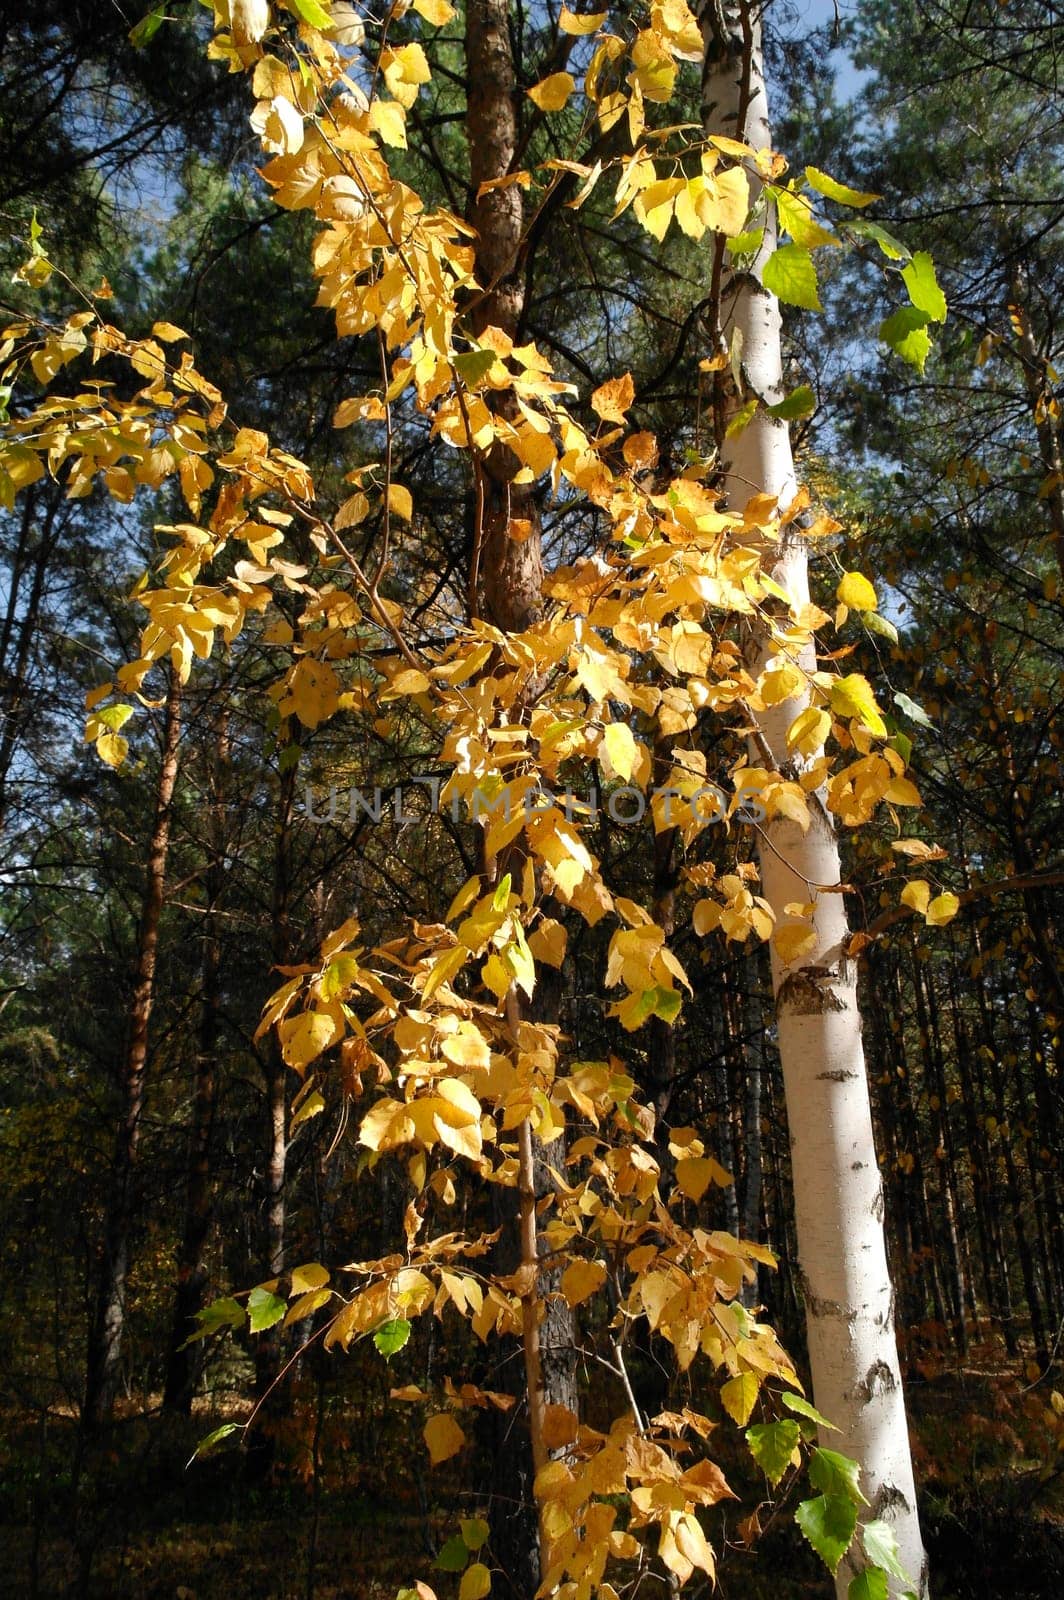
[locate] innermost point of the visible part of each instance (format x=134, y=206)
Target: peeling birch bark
x=838, y=1192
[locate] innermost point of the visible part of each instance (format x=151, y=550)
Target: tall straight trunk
x=505, y=581
x=105, y=1337
x=935, y=1075
x=838, y=1193
x=269, y=1346
x=190, y=1292
x=507, y=556
x=19, y=631
x=1037, y=382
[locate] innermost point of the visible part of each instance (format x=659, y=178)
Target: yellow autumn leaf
x=405, y=70
x=695, y=1174
x=692, y=1544
x=552, y=93
x=388, y=120
x=612, y=400
x=580, y=1280
x=307, y=1036
x=443, y=1436
x=436, y=12
x=808, y=731
x=706, y=916
x=312, y=1106
x=306, y=1305
x=313, y=692
x=168, y=332
x=112, y=748
x=793, y=940
x=918, y=849
x=408, y=681
x=476, y=1582
x=855, y=591
x=310, y=1276
x=943, y=909
x=916, y=894
x=902, y=792
x=467, y=1047
x=853, y=697
x=620, y=749
x=572, y=22
x=739, y=1395
x=548, y=942
x=401, y=501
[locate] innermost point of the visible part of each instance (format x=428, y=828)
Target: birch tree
x=691, y=614
x=838, y=1194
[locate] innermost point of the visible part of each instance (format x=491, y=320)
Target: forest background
x=133, y=153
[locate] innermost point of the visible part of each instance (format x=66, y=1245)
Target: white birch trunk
x=838, y=1193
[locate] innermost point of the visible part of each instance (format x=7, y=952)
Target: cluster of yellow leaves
x=462, y=1079
x=634, y=649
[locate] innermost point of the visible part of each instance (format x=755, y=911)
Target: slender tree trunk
x=20, y=631
x=190, y=1292
x=507, y=556
x=1040, y=396
x=105, y=1339
x=505, y=580
x=269, y=1346
x=838, y=1193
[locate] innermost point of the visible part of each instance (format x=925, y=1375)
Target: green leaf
x=115, y=717
x=667, y=1004
x=746, y=244
x=227, y=1313
x=472, y=365
x=901, y=743
x=828, y=1523
x=454, y=1555
x=391, y=1336
x=474, y=1532
x=790, y=275
x=924, y=292
x=831, y=189
x=801, y=1407
x=871, y=1584
x=833, y=1475
x=143, y=32
x=501, y=898
x=213, y=1440
x=914, y=712
x=881, y=1548
x=772, y=1444
x=906, y=333
x=799, y=403
x=264, y=1309
x=874, y=623
x=310, y=11
x=742, y=419
x=892, y=248
x=289, y=758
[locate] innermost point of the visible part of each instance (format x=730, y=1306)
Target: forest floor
x=133, y=1521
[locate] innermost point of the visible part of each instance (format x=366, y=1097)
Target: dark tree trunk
x=190, y=1293
x=105, y=1339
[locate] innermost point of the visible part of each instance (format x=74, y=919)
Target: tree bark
x=190, y=1292
x=105, y=1338
x=507, y=556
x=506, y=580
x=838, y=1193
x=269, y=1346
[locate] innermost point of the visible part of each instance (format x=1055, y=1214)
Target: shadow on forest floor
x=988, y=1454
